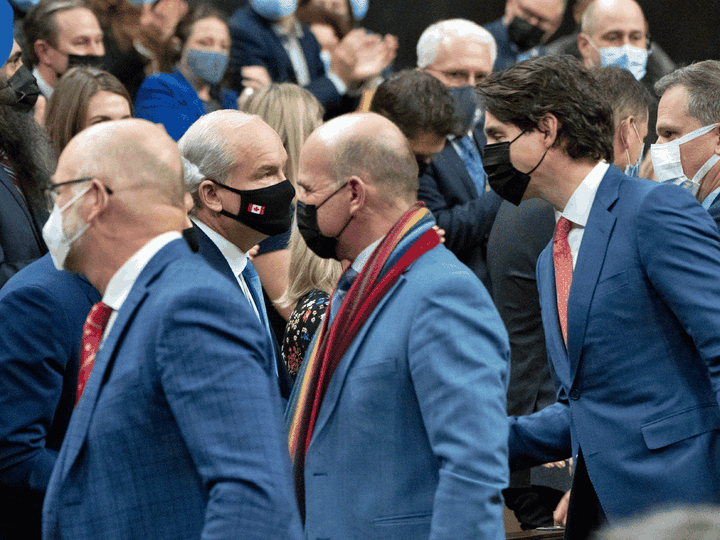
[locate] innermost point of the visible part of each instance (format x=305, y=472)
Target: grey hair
x=702, y=82
x=192, y=175
x=440, y=32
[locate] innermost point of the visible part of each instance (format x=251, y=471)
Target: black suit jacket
x=466, y=215
x=20, y=230
x=212, y=254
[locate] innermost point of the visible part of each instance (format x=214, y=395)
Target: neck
x=233, y=231
x=559, y=181
x=368, y=227
x=286, y=22
x=710, y=183
x=48, y=74
x=201, y=87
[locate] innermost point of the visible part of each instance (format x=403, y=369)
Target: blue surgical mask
x=466, y=108
x=273, y=10
x=634, y=59
x=209, y=66
x=634, y=170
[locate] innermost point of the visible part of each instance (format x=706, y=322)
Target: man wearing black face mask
x=241, y=197
x=459, y=53
x=60, y=34
x=525, y=27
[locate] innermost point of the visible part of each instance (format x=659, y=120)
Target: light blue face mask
x=209, y=66
x=273, y=10
x=634, y=170
x=634, y=59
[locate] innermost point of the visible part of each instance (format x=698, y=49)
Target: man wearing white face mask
x=687, y=151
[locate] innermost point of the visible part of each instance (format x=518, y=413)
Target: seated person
x=179, y=98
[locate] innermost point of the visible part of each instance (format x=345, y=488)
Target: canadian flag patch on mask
x=256, y=209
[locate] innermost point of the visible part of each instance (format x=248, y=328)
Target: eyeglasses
x=52, y=191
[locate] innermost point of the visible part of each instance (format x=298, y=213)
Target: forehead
x=495, y=126
x=617, y=15
x=209, y=26
x=673, y=112
x=459, y=53
x=257, y=144
x=74, y=22
x=547, y=9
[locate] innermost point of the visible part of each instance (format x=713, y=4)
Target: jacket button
x=575, y=394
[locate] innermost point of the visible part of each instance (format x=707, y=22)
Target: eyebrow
x=265, y=169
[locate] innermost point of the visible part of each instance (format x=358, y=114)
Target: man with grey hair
x=397, y=425
x=57, y=35
x=524, y=28
x=241, y=196
x=687, y=151
x=454, y=187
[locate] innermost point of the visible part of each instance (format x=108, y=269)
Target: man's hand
x=560, y=513
x=361, y=56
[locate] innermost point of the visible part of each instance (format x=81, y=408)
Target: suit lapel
x=455, y=169
x=212, y=254
x=590, y=261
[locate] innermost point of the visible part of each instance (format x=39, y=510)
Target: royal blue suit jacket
x=42, y=312
x=169, y=99
x=214, y=257
x=639, y=380
x=20, y=230
x=410, y=441
x=177, y=434
x=466, y=215
x=255, y=43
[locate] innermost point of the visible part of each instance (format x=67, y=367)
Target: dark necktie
x=562, y=257
x=93, y=330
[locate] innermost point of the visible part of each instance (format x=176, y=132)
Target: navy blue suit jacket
x=640, y=377
x=466, y=215
x=214, y=257
x=254, y=43
x=42, y=312
x=178, y=432
x=169, y=99
x=714, y=211
x=20, y=230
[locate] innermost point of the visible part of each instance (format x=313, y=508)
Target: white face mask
x=668, y=166
x=54, y=235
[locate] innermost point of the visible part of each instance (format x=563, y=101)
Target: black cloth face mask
x=321, y=245
x=524, y=35
x=25, y=87
x=503, y=177
x=90, y=60
x=266, y=210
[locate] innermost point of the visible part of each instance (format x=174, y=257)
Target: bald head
x=127, y=154
x=611, y=23
x=372, y=147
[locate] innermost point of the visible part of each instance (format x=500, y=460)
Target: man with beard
x=25, y=162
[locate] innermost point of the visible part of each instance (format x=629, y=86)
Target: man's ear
x=41, y=48
x=358, y=193
x=585, y=47
x=208, y=195
x=548, y=126
x=94, y=201
x=716, y=133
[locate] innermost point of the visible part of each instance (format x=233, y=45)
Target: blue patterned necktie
x=473, y=162
x=252, y=280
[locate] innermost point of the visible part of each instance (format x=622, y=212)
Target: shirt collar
x=123, y=280
x=236, y=258
x=707, y=202
x=296, y=30
x=359, y=262
x=578, y=207
x=45, y=89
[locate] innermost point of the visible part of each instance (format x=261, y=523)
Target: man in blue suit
x=630, y=297
x=42, y=311
x=406, y=438
x=177, y=429
x=688, y=128
x=460, y=54
x=239, y=162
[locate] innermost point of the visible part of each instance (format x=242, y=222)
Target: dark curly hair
x=559, y=85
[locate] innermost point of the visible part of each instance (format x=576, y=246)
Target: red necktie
x=563, y=270
x=93, y=329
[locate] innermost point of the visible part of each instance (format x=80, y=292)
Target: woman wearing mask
x=179, y=98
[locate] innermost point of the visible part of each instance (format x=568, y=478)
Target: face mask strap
x=695, y=134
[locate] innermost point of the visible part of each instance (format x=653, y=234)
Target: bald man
x=176, y=430
x=397, y=422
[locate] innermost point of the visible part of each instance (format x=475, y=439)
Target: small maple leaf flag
x=256, y=209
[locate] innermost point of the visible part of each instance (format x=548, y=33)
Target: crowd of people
x=255, y=282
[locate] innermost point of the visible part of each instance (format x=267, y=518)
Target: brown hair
x=67, y=108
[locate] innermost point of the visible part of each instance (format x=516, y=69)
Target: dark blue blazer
x=178, y=432
x=640, y=377
x=714, y=211
x=466, y=215
x=42, y=312
x=254, y=43
x=214, y=257
x=20, y=230
x=169, y=99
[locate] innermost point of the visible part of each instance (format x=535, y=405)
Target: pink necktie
x=563, y=270
x=93, y=330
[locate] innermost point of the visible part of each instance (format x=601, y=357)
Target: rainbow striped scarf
x=409, y=238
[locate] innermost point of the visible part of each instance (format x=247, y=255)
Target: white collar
x=45, y=89
x=236, y=258
x=296, y=30
x=577, y=209
x=123, y=280
x=359, y=262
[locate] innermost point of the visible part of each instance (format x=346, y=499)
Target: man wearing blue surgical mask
x=460, y=54
x=687, y=151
